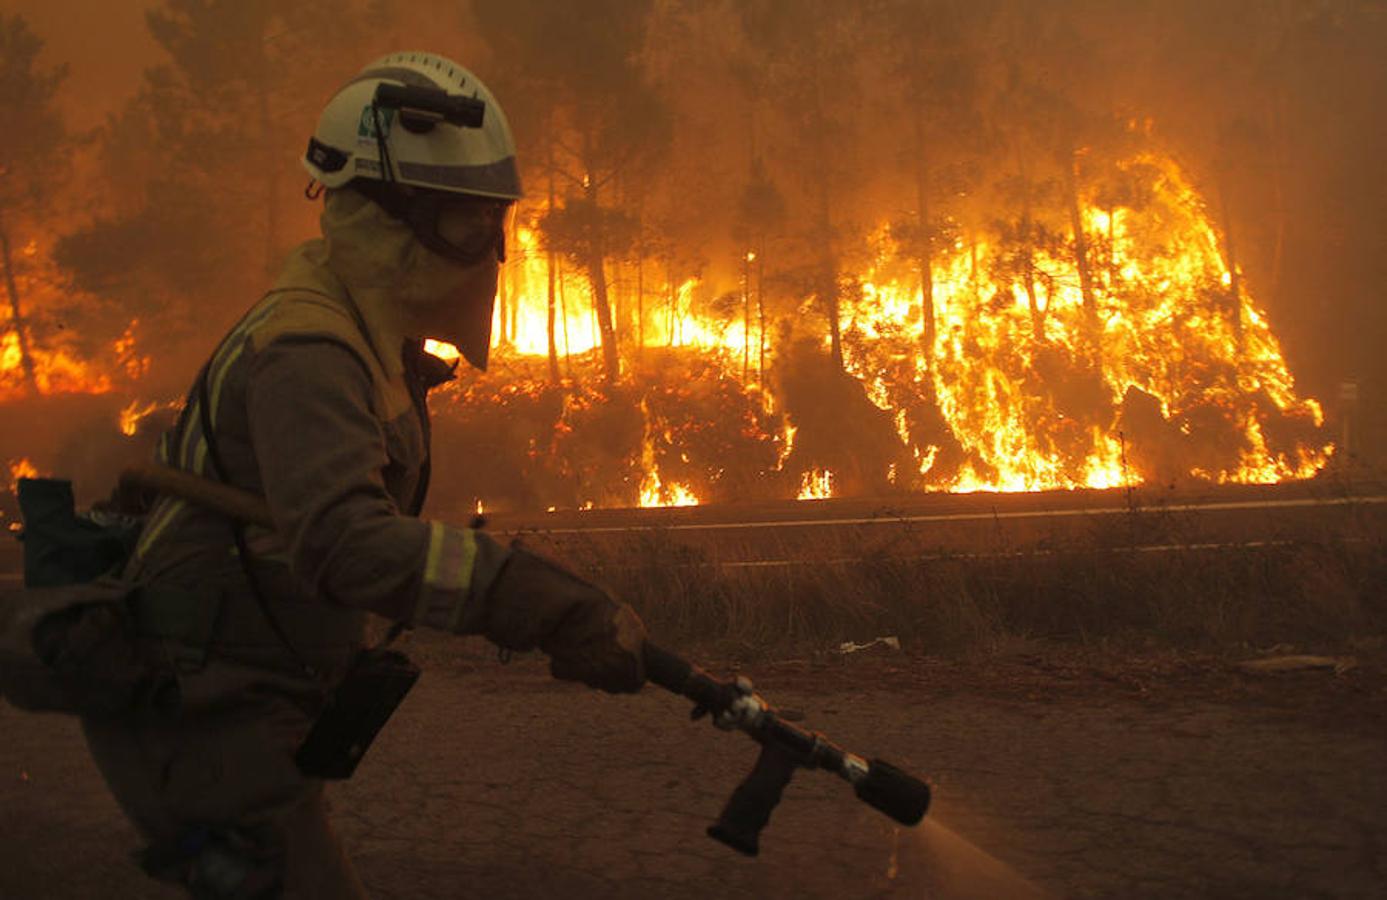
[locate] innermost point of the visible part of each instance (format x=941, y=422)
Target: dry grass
x=1086, y=589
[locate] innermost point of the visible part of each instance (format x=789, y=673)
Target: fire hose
x=733, y=705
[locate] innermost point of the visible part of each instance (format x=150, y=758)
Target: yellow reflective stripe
x=437, y=534
x=220, y=364
x=252, y=321
x=214, y=392
x=192, y=427
x=464, y=573
x=431, y=563
x=192, y=451
x=448, y=566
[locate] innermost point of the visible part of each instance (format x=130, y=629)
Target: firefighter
x=316, y=401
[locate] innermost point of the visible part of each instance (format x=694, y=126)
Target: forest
x=768, y=248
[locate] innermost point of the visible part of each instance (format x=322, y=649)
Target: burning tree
x=601, y=131
x=32, y=164
x=810, y=53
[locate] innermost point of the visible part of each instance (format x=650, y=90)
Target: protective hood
x=403, y=289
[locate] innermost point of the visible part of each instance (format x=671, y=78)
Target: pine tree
x=32, y=161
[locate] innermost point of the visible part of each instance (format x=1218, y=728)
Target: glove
x=588, y=636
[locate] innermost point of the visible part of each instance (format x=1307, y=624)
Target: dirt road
x=1134, y=779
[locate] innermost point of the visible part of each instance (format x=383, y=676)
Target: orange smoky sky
x=104, y=44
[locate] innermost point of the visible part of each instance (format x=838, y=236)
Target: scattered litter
x=890, y=641
x=1340, y=664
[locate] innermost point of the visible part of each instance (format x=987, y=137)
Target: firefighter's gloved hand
x=589, y=636
x=603, y=647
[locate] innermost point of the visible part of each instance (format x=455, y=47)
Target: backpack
x=68, y=638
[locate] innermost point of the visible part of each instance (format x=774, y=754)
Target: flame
x=654, y=491
x=1157, y=334
x=787, y=446
x=56, y=371
x=42, y=359
x=21, y=468
x=672, y=316
x=816, y=485
x=1031, y=384
x=134, y=364
x=1016, y=384
x=47, y=361
x=134, y=412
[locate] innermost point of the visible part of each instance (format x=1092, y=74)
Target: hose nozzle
x=895, y=792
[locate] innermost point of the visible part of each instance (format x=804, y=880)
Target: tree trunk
x=746, y=318
x=504, y=309
x=553, y=344
x=597, y=277
x=513, y=295
x=550, y=268
x=556, y=264
x=828, y=288
x=761, y=312
x=924, y=240
x=596, y=266
x=1235, y=296
x=672, y=303
x=21, y=329
x=1076, y=222
x=1028, y=249
x=835, y=327
x=640, y=279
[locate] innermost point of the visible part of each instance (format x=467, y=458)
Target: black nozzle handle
x=750, y=806
x=895, y=792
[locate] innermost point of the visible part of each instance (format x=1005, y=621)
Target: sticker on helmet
x=366, y=126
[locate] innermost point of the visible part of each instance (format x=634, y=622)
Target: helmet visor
x=464, y=229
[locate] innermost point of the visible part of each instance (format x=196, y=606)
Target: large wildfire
x=1021, y=373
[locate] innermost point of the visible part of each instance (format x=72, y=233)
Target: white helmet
x=453, y=136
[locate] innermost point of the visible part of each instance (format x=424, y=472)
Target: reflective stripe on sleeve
x=447, y=573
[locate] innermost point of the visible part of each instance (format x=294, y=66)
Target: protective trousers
x=225, y=810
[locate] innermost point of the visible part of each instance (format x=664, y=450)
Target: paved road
x=1141, y=779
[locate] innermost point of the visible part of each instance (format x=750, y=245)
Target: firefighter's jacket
x=321, y=412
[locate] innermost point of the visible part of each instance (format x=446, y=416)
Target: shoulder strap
x=238, y=531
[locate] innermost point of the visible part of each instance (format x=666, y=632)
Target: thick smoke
x=667, y=142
